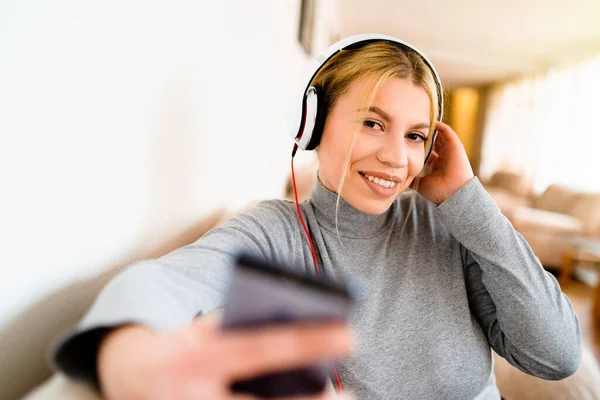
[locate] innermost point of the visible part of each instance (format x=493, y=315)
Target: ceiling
x=474, y=42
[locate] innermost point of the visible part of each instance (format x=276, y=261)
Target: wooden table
x=582, y=251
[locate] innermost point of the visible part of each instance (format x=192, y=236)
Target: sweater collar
x=351, y=222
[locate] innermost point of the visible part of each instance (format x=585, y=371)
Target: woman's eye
x=372, y=124
x=417, y=137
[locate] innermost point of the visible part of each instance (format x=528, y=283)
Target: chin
x=371, y=206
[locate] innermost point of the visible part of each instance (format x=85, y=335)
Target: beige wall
x=124, y=124
x=465, y=105
x=465, y=111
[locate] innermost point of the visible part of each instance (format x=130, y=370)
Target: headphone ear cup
x=309, y=116
x=319, y=121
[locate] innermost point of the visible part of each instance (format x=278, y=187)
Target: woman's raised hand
x=449, y=165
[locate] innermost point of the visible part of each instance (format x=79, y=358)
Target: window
x=547, y=127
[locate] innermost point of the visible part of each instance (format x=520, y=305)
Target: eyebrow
x=378, y=111
x=387, y=117
x=422, y=125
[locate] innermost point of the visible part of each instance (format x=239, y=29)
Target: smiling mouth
x=384, y=183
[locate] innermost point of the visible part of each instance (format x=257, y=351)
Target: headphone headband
x=306, y=116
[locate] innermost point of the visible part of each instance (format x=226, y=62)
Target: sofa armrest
x=533, y=219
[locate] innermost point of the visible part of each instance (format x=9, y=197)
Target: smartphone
x=263, y=293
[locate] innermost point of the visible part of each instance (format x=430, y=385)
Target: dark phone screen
x=266, y=294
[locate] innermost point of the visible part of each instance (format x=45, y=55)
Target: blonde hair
x=377, y=62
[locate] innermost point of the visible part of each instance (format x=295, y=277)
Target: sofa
x=509, y=190
x=549, y=221
x=25, y=340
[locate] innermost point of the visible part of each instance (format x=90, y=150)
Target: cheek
x=416, y=161
x=331, y=159
x=365, y=147
x=334, y=146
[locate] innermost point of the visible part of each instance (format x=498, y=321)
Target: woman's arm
x=520, y=306
x=168, y=292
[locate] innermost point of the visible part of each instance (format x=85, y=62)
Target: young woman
x=449, y=278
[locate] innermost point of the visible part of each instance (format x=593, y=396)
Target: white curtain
x=547, y=127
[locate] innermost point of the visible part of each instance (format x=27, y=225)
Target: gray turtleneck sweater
x=456, y=282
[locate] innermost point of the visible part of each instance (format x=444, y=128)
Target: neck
x=350, y=222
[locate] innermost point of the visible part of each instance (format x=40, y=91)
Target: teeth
x=381, y=182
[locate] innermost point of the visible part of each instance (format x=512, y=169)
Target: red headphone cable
x=312, y=248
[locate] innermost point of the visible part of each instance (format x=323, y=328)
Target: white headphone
x=308, y=120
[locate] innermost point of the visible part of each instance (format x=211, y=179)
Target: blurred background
x=130, y=127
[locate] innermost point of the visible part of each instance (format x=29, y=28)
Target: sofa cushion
x=506, y=200
x=557, y=198
x=548, y=247
x=517, y=184
x=587, y=210
x=532, y=219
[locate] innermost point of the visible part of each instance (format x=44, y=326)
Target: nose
x=393, y=151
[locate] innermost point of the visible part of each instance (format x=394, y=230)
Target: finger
x=324, y=396
x=345, y=396
x=207, y=323
x=263, y=350
x=200, y=390
x=446, y=135
x=442, y=127
x=432, y=158
x=242, y=397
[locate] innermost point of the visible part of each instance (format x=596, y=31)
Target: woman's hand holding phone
x=449, y=165
x=200, y=361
